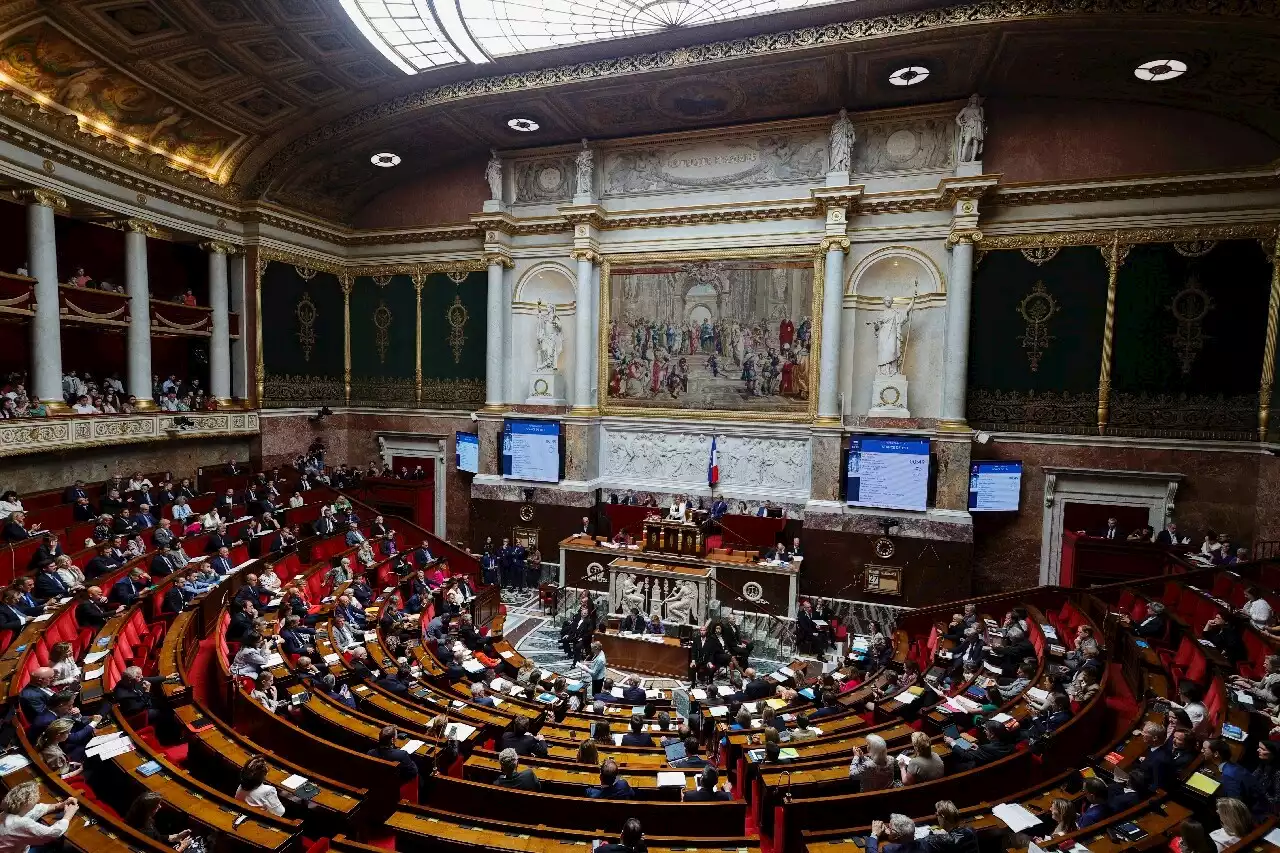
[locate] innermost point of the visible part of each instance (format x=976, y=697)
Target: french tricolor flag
x=713, y=468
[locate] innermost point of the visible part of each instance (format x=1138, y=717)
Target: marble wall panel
x=953, y=471
x=42, y=471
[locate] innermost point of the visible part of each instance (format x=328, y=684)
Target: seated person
x=388, y=751
x=637, y=736
x=633, y=693
x=655, y=625
x=632, y=623
x=691, y=758
x=511, y=776
x=611, y=787
x=706, y=790
x=998, y=744
x=521, y=741
x=1097, y=803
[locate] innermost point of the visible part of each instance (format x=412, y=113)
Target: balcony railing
x=40, y=435
x=17, y=295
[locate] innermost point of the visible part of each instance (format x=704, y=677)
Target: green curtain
x=1035, y=340
x=1189, y=333
x=454, y=318
x=302, y=337
x=383, y=338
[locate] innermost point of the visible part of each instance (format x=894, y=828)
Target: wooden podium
x=675, y=537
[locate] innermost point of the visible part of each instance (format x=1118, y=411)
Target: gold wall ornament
x=491, y=258
x=381, y=280
x=45, y=198
x=305, y=273
x=834, y=242
x=1114, y=255
x=963, y=235
x=1269, y=346
x=214, y=247
x=345, y=282
x=306, y=313
x=382, y=330
x=418, y=281
x=1040, y=254
x=1037, y=308
x=457, y=316
x=1189, y=307
x=1194, y=248
x=457, y=276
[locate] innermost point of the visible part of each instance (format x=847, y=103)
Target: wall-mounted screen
x=888, y=473
x=994, y=486
x=468, y=452
x=531, y=450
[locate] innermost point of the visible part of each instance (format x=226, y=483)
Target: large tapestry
x=302, y=337
x=731, y=335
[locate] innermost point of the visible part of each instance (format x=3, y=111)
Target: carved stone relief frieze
x=545, y=180
x=767, y=466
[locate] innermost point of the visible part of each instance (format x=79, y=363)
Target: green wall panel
x=302, y=337
x=383, y=338
x=1035, y=340
x=1189, y=332
x=454, y=318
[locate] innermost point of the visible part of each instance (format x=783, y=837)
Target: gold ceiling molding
x=847, y=32
x=1154, y=186
x=1264, y=231
x=354, y=270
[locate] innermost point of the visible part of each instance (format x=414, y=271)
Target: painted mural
x=43, y=64
x=716, y=335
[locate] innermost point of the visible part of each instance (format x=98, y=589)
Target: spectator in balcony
x=125, y=524
x=143, y=517
x=83, y=510
x=169, y=402
x=187, y=298
x=84, y=407
x=69, y=572
x=80, y=279
x=8, y=409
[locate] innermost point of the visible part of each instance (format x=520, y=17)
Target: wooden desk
x=666, y=658
x=559, y=777
x=421, y=829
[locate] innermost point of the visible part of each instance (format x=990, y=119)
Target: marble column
x=832, y=318
x=239, y=347
x=138, y=383
x=584, y=344
x=46, y=334
x=220, y=340
x=955, y=370
x=496, y=326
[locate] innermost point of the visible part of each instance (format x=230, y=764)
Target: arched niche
x=547, y=284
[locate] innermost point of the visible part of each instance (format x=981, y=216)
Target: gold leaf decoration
x=1194, y=248
x=382, y=330
x=305, y=273
x=457, y=316
x=1189, y=307
x=1037, y=308
x=306, y=313
x=1040, y=254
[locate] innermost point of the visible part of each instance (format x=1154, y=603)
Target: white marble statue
x=550, y=337
x=586, y=166
x=683, y=600
x=891, y=330
x=633, y=593
x=973, y=130
x=493, y=174
x=841, y=144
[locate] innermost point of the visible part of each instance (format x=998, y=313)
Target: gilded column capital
x=834, y=242
x=45, y=198
x=586, y=255
x=346, y=281
x=491, y=258
x=219, y=248
x=137, y=226
x=963, y=235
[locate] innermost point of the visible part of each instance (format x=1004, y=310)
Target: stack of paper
x=670, y=779
x=294, y=782
x=1040, y=696
x=94, y=657
x=459, y=731
x=1014, y=816
x=412, y=746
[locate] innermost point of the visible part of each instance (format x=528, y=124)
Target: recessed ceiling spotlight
x=909, y=76
x=1158, y=70
x=386, y=159
x=524, y=125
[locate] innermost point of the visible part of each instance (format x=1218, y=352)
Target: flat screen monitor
x=994, y=486
x=531, y=450
x=888, y=473
x=468, y=452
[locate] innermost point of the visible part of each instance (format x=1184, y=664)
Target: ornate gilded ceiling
x=284, y=100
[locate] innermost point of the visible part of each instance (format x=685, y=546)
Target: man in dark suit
x=755, y=688
x=35, y=696
x=706, y=791
x=162, y=563
x=1157, y=759
x=691, y=758
x=637, y=736
x=112, y=503
x=174, y=600
x=50, y=550
x=242, y=615
x=998, y=745
x=143, y=517
x=95, y=611
x=221, y=562
x=225, y=504
x=83, y=510
x=1111, y=531
x=569, y=633
x=806, y=627
x=133, y=694
x=506, y=563
x=1152, y=625
x=48, y=584
x=511, y=776
x=220, y=538
x=422, y=556
x=252, y=591
x=388, y=751
x=1097, y=803
x=611, y=787
x=101, y=564
x=521, y=741
x=127, y=590
x=700, y=656
x=324, y=526
x=167, y=495
x=59, y=705
x=1237, y=782
x=633, y=693
x=298, y=639
x=586, y=529
x=74, y=492
x=395, y=682
x=719, y=509
x=734, y=644
x=633, y=623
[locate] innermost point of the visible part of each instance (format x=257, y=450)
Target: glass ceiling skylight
x=421, y=34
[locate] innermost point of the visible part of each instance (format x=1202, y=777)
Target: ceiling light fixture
x=386, y=159
x=909, y=76
x=1158, y=70
x=524, y=125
